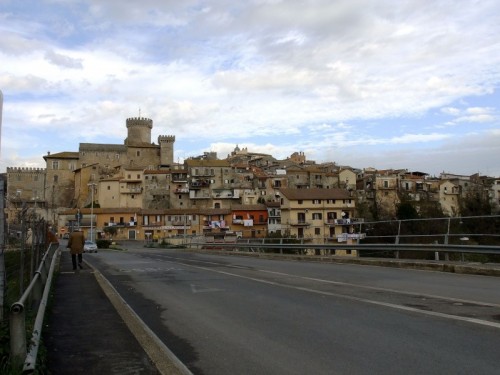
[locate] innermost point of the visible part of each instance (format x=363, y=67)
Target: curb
x=165, y=361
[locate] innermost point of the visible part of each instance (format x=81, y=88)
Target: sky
x=403, y=84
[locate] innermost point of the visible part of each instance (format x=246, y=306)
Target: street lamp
x=92, y=213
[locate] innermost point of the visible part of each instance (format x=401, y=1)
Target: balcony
x=199, y=184
x=346, y=221
x=176, y=177
x=300, y=223
x=223, y=195
x=178, y=223
x=193, y=194
x=182, y=191
x=134, y=190
x=121, y=224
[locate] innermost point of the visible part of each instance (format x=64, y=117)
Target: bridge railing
x=260, y=245
x=34, y=298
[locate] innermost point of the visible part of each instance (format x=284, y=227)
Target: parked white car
x=89, y=247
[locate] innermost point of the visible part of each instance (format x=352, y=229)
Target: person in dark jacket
x=75, y=244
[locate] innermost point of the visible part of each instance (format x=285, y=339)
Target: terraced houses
x=137, y=188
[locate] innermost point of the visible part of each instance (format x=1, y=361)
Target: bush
x=103, y=244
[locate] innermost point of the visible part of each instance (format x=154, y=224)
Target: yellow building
x=318, y=215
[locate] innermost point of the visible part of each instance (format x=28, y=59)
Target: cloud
x=471, y=115
x=63, y=61
x=306, y=75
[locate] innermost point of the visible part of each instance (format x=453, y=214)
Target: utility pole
x=92, y=185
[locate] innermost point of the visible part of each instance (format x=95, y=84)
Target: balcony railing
x=134, y=190
x=199, y=184
x=300, y=223
x=346, y=221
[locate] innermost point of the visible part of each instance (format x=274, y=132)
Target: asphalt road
x=238, y=315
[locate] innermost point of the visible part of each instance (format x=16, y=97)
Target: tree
x=406, y=210
x=110, y=231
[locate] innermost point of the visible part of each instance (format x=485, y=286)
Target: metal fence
x=34, y=298
x=434, y=238
x=24, y=261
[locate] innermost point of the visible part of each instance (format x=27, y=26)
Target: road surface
x=240, y=315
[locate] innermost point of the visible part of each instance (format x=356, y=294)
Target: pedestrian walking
x=75, y=244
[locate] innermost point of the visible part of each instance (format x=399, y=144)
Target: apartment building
x=251, y=220
x=318, y=215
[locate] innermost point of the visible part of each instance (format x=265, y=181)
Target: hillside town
x=137, y=189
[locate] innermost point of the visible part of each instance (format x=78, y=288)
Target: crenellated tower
x=138, y=131
x=166, y=143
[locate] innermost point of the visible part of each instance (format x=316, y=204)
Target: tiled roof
x=63, y=155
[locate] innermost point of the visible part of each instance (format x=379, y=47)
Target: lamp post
x=92, y=213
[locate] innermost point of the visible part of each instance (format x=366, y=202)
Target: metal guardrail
x=36, y=295
x=279, y=247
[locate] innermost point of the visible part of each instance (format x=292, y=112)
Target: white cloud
x=63, y=61
x=328, y=73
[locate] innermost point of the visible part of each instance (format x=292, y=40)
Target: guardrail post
x=447, y=235
x=18, y=333
x=396, y=253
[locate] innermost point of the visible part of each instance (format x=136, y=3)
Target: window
x=138, y=153
x=316, y=201
x=55, y=165
x=300, y=201
x=317, y=216
x=317, y=231
x=386, y=184
x=55, y=178
x=109, y=187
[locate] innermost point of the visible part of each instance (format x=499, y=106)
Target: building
x=318, y=215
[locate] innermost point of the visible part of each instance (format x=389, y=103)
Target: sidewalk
x=85, y=334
